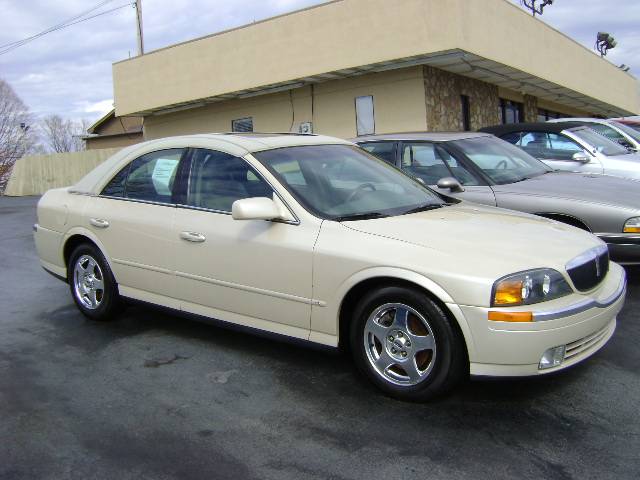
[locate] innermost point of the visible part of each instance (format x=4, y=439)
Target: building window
x=511, y=112
x=544, y=115
x=242, y=125
x=365, y=117
x=466, y=113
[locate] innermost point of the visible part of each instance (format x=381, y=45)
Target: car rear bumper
x=581, y=324
x=624, y=248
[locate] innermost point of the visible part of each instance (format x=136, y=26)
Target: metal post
x=139, y=24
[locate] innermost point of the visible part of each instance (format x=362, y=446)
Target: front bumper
x=624, y=248
x=582, y=323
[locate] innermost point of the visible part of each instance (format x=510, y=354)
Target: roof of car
x=257, y=141
x=419, y=136
x=531, y=127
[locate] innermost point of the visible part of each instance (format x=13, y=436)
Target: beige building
x=350, y=67
x=114, y=132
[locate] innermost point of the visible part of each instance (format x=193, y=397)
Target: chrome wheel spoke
x=411, y=369
x=401, y=318
x=420, y=342
x=98, y=284
x=377, y=330
x=384, y=361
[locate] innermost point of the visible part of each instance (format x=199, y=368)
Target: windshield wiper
x=360, y=216
x=424, y=208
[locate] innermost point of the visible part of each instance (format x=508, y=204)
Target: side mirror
x=580, y=157
x=626, y=144
x=450, y=183
x=256, y=208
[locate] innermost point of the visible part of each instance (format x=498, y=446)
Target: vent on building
x=242, y=125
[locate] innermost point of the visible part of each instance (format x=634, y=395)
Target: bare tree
x=16, y=136
x=63, y=135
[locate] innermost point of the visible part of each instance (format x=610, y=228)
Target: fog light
x=552, y=357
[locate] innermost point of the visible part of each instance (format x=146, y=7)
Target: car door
x=558, y=151
x=431, y=162
x=254, y=272
x=133, y=219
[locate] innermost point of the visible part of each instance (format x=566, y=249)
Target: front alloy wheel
x=405, y=343
x=399, y=343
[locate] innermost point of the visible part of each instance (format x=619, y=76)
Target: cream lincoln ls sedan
x=312, y=238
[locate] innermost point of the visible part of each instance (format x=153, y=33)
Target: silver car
x=482, y=168
x=612, y=129
x=570, y=146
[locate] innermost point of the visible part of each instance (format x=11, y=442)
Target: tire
x=93, y=287
x=406, y=345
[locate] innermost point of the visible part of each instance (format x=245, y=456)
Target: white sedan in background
x=312, y=238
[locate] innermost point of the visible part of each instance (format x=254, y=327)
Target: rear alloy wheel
x=93, y=287
x=406, y=345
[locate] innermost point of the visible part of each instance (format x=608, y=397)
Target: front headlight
x=529, y=287
x=632, y=225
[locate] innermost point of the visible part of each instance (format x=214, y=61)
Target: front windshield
x=342, y=182
x=500, y=161
x=601, y=143
x=633, y=133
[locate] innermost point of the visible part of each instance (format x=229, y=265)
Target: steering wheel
x=359, y=190
x=501, y=164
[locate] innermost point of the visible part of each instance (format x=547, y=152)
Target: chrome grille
x=589, y=269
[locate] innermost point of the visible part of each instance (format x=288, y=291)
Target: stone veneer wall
x=444, y=107
x=530, y=108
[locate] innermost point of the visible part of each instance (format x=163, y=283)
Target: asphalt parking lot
x=160, y=397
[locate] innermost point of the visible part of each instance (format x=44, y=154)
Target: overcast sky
x=68, y=72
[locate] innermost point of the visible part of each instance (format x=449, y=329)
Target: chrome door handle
x=192, y=237
x=99, y=222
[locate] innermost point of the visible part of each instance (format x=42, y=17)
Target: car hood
x=494, y=240
x=583, y=187
x=627, y=157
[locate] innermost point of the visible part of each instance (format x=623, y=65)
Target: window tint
x=149, y=177
x=365, y=117
x=511, y=112
x=502, y=162
x=115, y=188
x=218, y=179
x=513, y=138
x=384, y=150
x=607, y=131
x=430, y=163
x=342, y=181
x=242, y=125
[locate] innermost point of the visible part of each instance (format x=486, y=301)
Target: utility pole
x=138, y=6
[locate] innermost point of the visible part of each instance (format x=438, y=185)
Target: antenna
x=533, y=6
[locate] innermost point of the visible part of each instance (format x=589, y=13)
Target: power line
x=75, y=17
x=6, y=48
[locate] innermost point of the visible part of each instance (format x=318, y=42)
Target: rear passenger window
x=149, y=177
x=218, y=179
x=384, y=150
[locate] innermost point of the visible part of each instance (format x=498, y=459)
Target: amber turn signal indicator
x=508, y=293
x=511, y=316
x=631, y=229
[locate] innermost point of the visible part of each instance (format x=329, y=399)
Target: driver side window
x=218, y=179
x=430, y=162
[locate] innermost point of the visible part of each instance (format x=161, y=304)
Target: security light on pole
x=604, y=43
x=533, y=6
